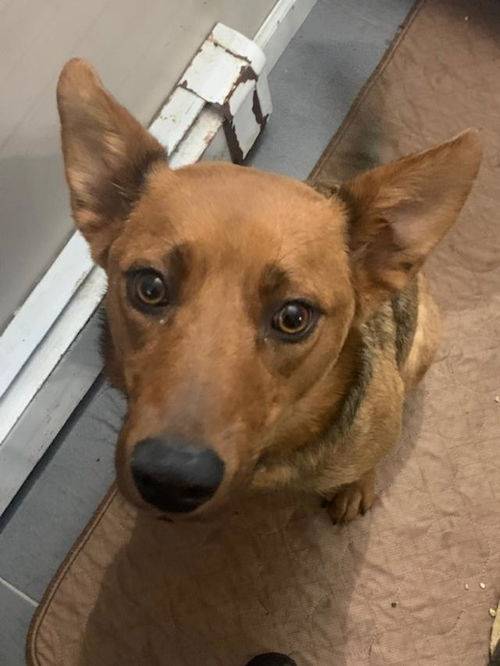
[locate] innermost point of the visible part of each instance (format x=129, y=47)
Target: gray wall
x=140, y=49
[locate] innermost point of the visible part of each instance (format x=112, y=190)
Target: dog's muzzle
x=176, y=475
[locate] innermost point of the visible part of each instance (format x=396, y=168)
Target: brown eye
x=149, y=289
x=294, y=319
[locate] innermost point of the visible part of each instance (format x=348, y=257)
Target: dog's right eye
x=147, y=290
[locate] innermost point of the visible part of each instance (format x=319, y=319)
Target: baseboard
x=40, y=337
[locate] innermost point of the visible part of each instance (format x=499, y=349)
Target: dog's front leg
x=352, y=499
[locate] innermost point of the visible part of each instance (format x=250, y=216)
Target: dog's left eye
x=293, y=320
x=147, y=289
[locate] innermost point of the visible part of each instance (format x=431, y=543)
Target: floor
x=312, y=86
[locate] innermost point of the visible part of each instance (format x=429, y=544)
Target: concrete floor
x=312, y=86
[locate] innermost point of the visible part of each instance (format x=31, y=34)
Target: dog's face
x=224, y=317
x=232, y=293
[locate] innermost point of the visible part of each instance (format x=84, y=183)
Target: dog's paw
x=352, y=499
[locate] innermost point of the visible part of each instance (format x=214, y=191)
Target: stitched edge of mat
x=100, y=512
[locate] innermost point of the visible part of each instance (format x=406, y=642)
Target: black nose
x=174, y=474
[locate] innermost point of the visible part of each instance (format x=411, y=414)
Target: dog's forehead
x=226, y=194
x=218, y=207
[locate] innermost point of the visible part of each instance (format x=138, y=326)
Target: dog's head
x=232, y=293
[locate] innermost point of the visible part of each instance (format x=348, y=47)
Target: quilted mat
x=414, y=580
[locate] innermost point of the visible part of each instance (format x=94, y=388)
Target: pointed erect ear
x=400, y=211
x=107, y=154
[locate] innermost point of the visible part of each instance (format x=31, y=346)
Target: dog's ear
x=400, y=211
x=106, y=155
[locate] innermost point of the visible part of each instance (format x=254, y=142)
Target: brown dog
x=264, y=334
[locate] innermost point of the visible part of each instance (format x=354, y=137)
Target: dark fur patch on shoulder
x=345, y=416
x=379, y=335
x=375, y=338
x=405, y=312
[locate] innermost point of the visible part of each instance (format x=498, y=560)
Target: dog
x=265, y=333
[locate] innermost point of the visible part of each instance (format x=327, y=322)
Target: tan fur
x=233, y=245
x=426, y=340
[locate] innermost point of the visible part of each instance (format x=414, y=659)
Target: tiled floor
x=312, y=87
